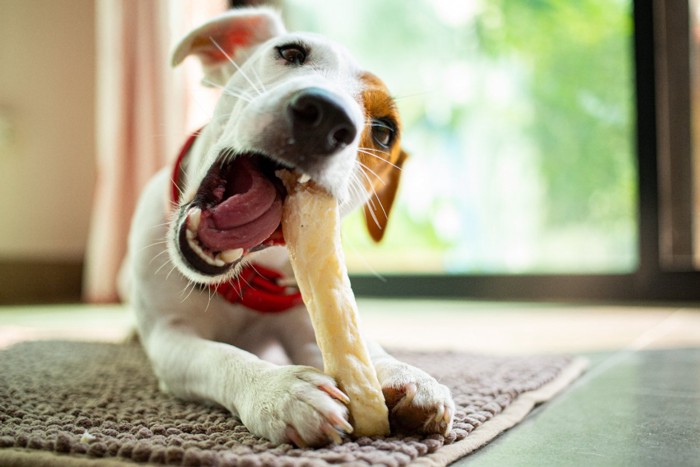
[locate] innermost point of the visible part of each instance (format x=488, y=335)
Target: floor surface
x=631, y=409
x=638, y=404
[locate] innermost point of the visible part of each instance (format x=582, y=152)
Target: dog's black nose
x=320, y=125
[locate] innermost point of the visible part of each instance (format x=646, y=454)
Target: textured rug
x=78, y=403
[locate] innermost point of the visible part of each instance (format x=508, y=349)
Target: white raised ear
x=227, y=37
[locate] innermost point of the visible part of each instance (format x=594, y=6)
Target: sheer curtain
x=144, y=112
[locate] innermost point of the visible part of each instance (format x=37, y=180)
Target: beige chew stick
x=311, y=227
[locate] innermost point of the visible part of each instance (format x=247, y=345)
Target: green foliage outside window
x=519, y=119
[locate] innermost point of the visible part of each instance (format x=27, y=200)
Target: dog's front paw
x=296, y=404
x=417, y=403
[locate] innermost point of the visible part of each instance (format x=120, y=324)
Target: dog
x=208, y=272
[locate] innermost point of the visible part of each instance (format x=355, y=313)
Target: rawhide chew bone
x=311, y=227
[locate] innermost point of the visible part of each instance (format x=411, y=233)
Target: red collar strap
x=256, y=287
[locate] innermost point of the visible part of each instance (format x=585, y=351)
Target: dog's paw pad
x=419, y=404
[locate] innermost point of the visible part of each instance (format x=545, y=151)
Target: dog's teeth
x=229, y=256
x=195, y=247
x=304, y=178
x=201, y=253
x=193, y=219
x=218, y=260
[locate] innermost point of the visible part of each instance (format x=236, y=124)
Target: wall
x=47, y=127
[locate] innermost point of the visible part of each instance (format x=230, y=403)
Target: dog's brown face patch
x=379, y=143
x=380, y=154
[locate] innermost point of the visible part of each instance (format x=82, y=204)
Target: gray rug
x=77, y=403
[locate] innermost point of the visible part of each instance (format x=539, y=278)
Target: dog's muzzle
x=237, y=208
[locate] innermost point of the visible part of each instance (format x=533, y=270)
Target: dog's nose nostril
x=319, y=122
x=306, y=110
x=343, y=135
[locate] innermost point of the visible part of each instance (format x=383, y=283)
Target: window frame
x=653, y=279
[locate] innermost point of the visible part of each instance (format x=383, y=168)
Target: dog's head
x=289, y=100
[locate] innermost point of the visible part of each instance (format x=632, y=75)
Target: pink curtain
x=144, y=112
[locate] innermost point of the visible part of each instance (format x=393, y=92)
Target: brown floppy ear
x=379, y=206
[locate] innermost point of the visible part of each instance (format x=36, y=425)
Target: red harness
x=256, y=286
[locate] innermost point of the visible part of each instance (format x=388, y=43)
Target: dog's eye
x=383, y=132
x=294, y=54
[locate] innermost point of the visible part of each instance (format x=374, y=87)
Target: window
x=533, y=130
x=520, y=119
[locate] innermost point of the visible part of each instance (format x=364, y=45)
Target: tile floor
x=638, y=404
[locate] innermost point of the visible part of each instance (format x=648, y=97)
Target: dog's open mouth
x=237, y=209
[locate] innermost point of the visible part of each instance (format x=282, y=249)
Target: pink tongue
x=250, y=212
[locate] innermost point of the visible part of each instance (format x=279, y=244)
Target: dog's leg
x=416, y=401
x=295, y=333
x=282, y=403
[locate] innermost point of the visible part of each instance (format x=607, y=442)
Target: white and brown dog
x=290, y=100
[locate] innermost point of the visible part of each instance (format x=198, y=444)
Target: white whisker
x=209, y=292
x=238, y=68
x=158, y=255
x=358, y=254
x=365, y=167
x=170, y=272
x=373, y=215
x=240, y=278
x=160, y=242
x=193, y=286
x=365, y=176
x=174, y=205
x=180, y=191
x=357, y=181
x=257, y=78
x=365, y=151
x=161, y=224
x=227, y=155
x=165, y=263
x=374, y=193
x=362, y=188
x=356, y=188
x=373, y=209
x=374, y=150
x=230, y=92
